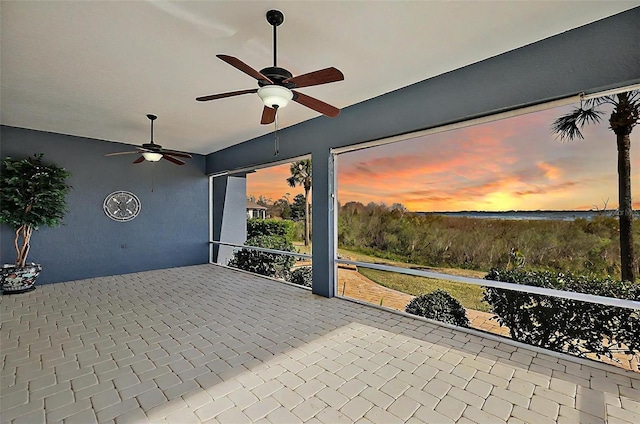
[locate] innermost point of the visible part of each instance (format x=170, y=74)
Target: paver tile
x=479, y=416
x=84, y=417
x=182, y=416
x=466, y=397
x=437, y=388
x=545, y=406
x=114, y=411
x=378, y=415
x=332, y=416
x=356, y=408
x=213, y=409
x=58, y=400
x=530, y=416
x=623, y=414
x=135, y=416
x=451, y=407
x=332, y=397
x=59, y=414
x=261, y=408
x=377, y=397
x=309, y=408
x=242, y=398
x=403, y=407
x=352, y=388
x=288, y=398
x=310, y=388
x=429, y=415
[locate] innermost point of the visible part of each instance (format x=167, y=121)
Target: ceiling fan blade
x=140, y=159
x=240, y=65
x=178, y=154
x=122, y=153
x=323, y=76
x=174, y=160
x=223, y=95
x=268, y=115
x=315, y=104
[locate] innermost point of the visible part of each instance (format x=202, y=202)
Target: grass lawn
x=469, y=295
x=301, y=248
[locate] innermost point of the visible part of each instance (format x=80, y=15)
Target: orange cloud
x=550, y=171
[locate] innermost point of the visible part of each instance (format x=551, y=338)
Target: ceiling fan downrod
x=152, y=118
x=275, y=18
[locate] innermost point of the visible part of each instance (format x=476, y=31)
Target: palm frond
x=634, y=96
x=595, y=102
x=568, y=126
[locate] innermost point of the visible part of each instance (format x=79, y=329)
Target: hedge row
x=269, y=264
x=567, y=325
x=271, y=227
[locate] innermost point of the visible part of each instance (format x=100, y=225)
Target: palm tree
x=625, y=116
x=301, y=176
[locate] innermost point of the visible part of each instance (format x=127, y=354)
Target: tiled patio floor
x=205, y=343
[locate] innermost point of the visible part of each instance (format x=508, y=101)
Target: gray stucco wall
x=595, y=57
x=171, y=230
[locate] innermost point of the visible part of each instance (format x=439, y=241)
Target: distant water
x=532, y=215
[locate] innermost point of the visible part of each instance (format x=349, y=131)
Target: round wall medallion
x=121, y=206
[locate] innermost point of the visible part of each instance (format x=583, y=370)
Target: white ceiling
x=95, y=69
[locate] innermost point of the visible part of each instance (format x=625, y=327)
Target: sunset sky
x=512, y=164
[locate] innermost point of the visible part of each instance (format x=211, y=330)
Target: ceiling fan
x=153, y=152
x=277, y=85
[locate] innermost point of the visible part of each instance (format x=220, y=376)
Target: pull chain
x=277, y=138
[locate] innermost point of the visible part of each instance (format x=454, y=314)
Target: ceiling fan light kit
x=275, y=96
x=151, y=156
x=277, y=85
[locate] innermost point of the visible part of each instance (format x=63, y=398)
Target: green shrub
x=264, y=263
x=302, y=276
x=270, y=227
x=298, y=230
x=567, y=325
x=440, y=306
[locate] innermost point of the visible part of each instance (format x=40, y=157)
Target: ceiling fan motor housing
x=277, y=76
x=152, y=146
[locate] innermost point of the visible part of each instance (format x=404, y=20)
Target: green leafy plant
x=440, y=306
x=567, y=325
x=302, y=276
x=270, y=227
x=265, y=263
x=32, y=194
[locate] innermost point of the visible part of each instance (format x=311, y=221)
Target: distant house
x=254, y=210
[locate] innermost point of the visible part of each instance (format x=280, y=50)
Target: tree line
x=579, y=246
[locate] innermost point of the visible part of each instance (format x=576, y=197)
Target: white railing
x=262, y=249
x=603, y=300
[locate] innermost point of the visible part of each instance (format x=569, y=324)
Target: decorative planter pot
x=19, y=279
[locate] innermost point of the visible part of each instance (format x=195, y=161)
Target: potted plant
x=32, y=194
